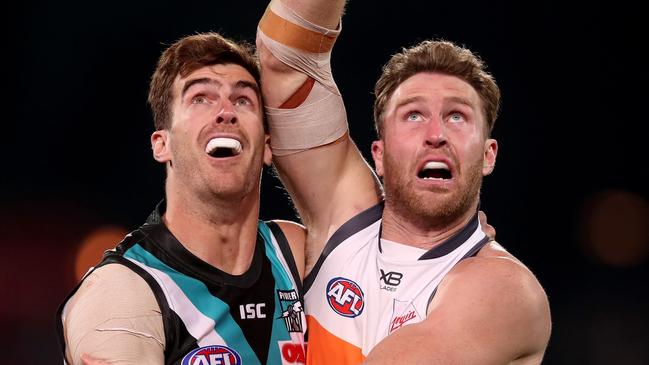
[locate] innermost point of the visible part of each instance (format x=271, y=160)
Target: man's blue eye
x=413, y=117
x=456, y=117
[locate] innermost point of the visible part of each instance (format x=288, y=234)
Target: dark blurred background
x=569, y=196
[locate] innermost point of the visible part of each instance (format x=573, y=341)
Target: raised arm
x=283, y=80
x=488, y=310
x=324, y=172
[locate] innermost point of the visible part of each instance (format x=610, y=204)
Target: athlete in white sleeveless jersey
x=403, y=286
x=365, y=287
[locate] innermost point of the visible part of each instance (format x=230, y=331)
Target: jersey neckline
x=173, y=250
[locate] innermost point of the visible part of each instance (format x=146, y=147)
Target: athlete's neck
x=397, y=227
x=221, y=233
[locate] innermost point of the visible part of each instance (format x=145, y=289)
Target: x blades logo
x=392, y=279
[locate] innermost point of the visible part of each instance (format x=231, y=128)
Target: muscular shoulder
x=497, y=275
x=494, y=293
x=113, y=305
x=121, y=287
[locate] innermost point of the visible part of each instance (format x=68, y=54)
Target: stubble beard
x=204, y=183
x=434, y=209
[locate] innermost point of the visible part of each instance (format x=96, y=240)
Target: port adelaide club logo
x=291, y=309
x=212, y=355
x=345, y=297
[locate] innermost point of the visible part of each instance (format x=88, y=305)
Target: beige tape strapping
x=293, y=35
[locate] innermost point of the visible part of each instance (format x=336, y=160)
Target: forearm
x=321, y=167
x=324, y=13
x=294, y=42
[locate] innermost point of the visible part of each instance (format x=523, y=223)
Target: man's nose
x=226, y=114
x=436, y=132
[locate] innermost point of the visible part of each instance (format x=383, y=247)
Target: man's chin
x=431, y=209
x=438, y=212
x=230, y=192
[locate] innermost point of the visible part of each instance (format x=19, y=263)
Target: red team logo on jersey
x=403, y=313
x=212, y=355
x=399, y=321
x=292, y=353
x=345, y=297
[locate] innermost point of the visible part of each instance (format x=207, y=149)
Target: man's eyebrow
x=241, y=84
x=461, y=100
x=409, y=100
x=245, y=84
x=419, y=98
x=202, y=80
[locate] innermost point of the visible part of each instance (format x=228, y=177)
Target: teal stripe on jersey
x=282, y=282
x=280, y=272
x=204, y=301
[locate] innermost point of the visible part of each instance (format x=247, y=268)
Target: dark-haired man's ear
x=268, y=154
x=160, y=146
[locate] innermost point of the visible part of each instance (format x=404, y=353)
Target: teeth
x=221, y=142
x=432, y=165
x=435, y=170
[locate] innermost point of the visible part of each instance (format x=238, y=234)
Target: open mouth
x=435, y=170
x=221, y=147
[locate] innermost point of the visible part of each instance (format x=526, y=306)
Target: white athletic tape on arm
x=318, y=121
x=114, y=315
x=321, y=118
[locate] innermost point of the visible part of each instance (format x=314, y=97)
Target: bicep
x=115, y=316
x=432, y=341
x=491, y=313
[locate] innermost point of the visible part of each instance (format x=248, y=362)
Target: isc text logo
x=345, y=297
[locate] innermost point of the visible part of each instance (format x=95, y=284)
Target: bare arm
x=280, y=81
x=331, y=183
x=488, y=310
x=115, y=315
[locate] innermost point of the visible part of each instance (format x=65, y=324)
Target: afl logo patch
x=212, y=355
x=345, y=297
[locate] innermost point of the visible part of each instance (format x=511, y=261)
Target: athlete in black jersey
x=203, y=281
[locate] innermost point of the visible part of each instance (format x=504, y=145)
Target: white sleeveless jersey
x=356, y=295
